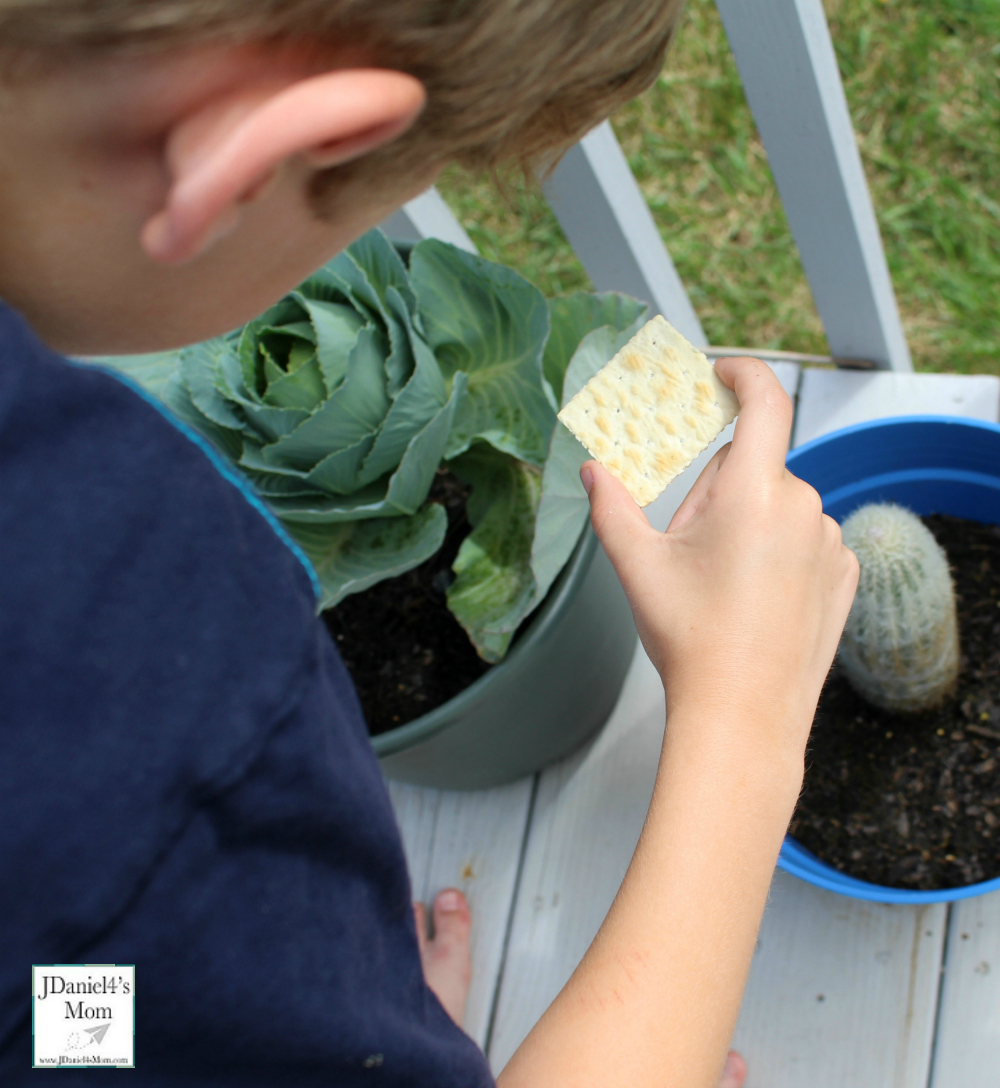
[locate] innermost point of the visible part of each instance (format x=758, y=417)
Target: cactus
x=900, y=646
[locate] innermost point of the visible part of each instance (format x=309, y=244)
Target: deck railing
x=789, y=70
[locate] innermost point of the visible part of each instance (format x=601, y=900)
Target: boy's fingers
x=764, y=426
x=617, y=519
x=700, y=489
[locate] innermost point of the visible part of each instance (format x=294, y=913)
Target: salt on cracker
x=649, y=412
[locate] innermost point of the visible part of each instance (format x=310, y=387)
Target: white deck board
x=471, y=841
x=841, y=992
x=877, y=966
x=967, y=1047
x=831, y=399
x=587, y=818
x=967, y=1052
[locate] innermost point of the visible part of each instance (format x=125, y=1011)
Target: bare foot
x=735, y=1072
x=445, y=956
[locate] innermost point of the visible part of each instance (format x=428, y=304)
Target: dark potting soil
x=913, y=801
x=406, y=653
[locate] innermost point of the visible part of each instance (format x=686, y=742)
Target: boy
x=186, y=777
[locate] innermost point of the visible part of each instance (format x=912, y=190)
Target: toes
x=420, y=917
x=452, y=919
x=735, y=1071
x=445, y=956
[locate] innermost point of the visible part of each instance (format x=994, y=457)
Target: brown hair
x=508, y=81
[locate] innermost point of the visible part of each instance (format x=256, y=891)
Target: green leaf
x=493, y=578
x=371, y=274
x=349, y=557
x=162, y=375
x=573, y=316
x=367, y=502
x=149, y=371
x=562, y=511
x=302, y=387
x=336, y=331
x=264, y=336
x=411, y=482
x=199, y=369
x=354, y=412
x=416, y=404
x=406, y=341
x=262, y=421
x=402, y=493
x=338, y=472
x=370, y=267
x=176, y=397
x=277, y=485
x=491, y=323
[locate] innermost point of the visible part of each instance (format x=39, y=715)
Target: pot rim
x=890, y=421
x=540, y=624
x=794, y=857
x=797, y=860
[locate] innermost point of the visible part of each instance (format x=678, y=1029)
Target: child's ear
x=227, y=152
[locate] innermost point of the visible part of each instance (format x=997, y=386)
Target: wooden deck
x=843, y=993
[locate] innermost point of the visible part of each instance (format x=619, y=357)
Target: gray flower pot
x=553, y=690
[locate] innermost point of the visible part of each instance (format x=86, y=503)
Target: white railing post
x=427, y=216
x=789, y=70
x=605, y=217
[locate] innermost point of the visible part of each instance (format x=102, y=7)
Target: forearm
x=740, y=605
x=655, y=999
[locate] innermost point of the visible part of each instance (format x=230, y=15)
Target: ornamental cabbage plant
x=340, y=403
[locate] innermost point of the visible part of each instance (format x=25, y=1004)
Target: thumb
x=618, y=521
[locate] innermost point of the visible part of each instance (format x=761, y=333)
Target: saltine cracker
x=649, y=412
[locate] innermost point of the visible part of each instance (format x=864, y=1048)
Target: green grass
x=923, y=82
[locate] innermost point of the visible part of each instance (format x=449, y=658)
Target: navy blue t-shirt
x=186, y=782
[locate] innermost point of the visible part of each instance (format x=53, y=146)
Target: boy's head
x=168, y=168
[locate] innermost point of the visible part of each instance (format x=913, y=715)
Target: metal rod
x=791, y=357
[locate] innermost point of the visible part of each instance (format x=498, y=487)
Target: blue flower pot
x=932, y=465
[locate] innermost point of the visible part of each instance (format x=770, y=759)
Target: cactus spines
x=900, y=646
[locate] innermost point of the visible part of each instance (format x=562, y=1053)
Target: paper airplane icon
x=99, y=1032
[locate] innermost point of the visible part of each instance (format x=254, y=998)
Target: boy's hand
x=741, y=603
